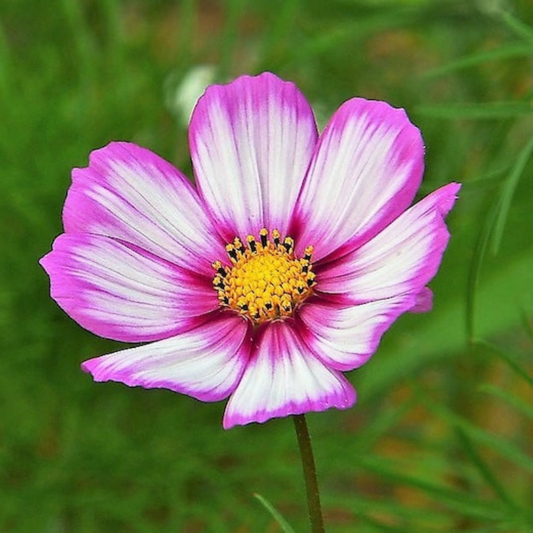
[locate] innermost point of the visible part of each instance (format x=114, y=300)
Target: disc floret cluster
x=266, y=280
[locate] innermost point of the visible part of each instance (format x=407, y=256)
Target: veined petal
x=251, y=143
x=403, y=258
x=129, y=193
x=345, y=337
x=123, y=293
x=365, y=172
x=205, y=362
x=283, y=378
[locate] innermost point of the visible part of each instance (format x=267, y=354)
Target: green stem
x=311, y=484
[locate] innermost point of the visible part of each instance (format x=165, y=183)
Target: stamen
x=288, y=243
x=239, y=246
x=275, y=237
x=265, y=281
x=252, y=244
x=264, y=236
x=231, y=252
x=217, y=265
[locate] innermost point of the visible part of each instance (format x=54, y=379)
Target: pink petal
x=403, y=258
x=251, y=142
x=365, y=172
x=206, y=362
x=123, y=293
x=128, y=192
x=343, y=337
x=283, y=378
x=423, y=301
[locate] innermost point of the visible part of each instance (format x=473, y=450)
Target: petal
x=123, y=293
x=206, y=362
x=251, y=143
x=403, y=258
x=345, y=337
x=282, y=378
x=365, y=172
x=130, y=193
x=423, y=301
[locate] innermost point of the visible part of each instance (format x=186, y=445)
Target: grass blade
x=507, y=359
x=507, y=195
x=517, y=403
x=283, y=524
x=504, y=52
x=505, y=448
x=474, y=271
x=484, y=469
x=519, y=28
x=475, y=111
x=452, y=498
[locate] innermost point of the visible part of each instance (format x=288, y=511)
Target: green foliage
x=441, y=438
x=283, y=524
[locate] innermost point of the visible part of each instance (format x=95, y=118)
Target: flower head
x=278, y=272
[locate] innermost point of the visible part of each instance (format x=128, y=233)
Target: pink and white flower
x=278, y=272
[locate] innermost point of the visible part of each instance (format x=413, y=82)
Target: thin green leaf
x=474, y=271
x=484, y=181
x=188, y=24
x=519, y=404
x=450, y=497
x=507, y=194
x=518, y=27
x=505, y=448
x=484, y=469
x=475, y=111
x=350, y=29
x=283, y=524
x=384, y=527
x=507, y=358
x=504, y=52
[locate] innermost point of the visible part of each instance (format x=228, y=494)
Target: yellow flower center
x=265, y=281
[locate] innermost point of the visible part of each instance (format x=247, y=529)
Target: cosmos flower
x=273, y=276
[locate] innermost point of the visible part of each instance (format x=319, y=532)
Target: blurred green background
x=441, y=438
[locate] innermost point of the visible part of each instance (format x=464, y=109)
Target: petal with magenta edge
x=282, y=378
x=124, y=293
x=206, y=362
x=251, y=143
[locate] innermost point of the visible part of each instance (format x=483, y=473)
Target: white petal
x=283, y=378
x=365, y=172
x=345, y=337
x=205, y=363
x=129, y=193
x=251, y=142
x=403, y=258
x=124, y=293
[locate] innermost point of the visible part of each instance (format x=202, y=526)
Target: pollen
x=265, y=280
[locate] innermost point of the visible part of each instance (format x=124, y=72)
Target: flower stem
x=311, y=484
